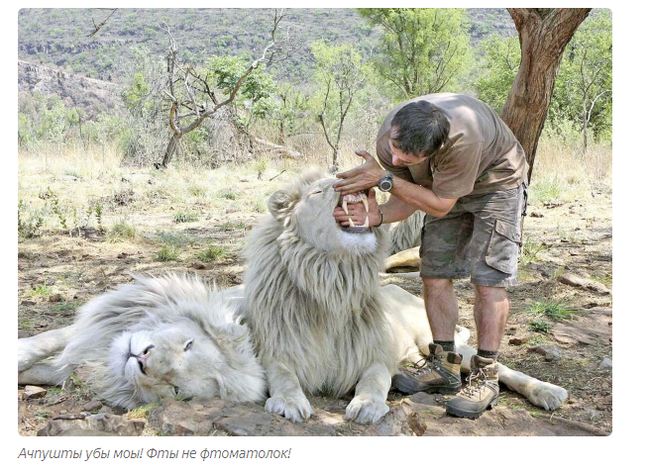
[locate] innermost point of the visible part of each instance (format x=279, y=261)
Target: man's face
x=402, y=159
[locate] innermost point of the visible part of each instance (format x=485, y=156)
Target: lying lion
x=319, y=320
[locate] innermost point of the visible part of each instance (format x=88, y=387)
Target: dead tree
x=543, y=35
x=189, y=91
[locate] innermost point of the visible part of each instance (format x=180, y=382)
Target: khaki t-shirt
x=481, y=155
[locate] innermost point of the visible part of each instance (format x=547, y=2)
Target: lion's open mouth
x=360, y=197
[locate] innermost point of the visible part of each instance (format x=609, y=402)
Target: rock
x=517, y=341
x=400, y=420
x=97, y=424
x=591, y=329
x=56, y=298
x=536, y=214
x=92, y=405
x=33, y=392
x=198, y=266
x=574, y=280
x=606, y=363
x=550, y=352
x=215, y=416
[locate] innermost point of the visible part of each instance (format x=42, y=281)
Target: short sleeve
x=455, y=171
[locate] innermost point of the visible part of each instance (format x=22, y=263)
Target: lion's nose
x=142, y=358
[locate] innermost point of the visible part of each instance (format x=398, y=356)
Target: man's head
x=418, y=130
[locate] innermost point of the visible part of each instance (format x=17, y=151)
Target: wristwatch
x=386, y=183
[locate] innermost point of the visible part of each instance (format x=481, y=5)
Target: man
x=452, y=157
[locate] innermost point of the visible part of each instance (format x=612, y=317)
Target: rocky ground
x=560, y=327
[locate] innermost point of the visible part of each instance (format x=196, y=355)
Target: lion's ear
x=282, y=202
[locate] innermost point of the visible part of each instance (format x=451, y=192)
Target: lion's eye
x=177, y=390
x=315, y=193
x=188, y=345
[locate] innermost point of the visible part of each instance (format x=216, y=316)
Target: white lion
x=156, y=338
x=320, y=320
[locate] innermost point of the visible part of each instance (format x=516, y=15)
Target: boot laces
x=475, y=382
x=427, y=363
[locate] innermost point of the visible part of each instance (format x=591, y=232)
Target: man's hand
x=362, y=177
x=357, y=212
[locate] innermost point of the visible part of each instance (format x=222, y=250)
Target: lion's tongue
x=356, y=198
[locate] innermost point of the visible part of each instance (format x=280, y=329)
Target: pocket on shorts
x=503, y=247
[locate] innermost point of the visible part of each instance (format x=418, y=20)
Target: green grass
x=120, y=231
x=552, y=309
x=185, y=216
x=66, y=306
x=167, y=254
x=196, y=190
x=211, y=254
x=227, y=194
x=530, y=251
x=546, y=189
x=538, y=325
x=40, y=290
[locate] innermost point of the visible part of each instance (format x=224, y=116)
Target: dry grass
x=567, y=171
x=65, y=187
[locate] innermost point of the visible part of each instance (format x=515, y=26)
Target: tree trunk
x=174, y=142
x=543, y=35
x=335, y=158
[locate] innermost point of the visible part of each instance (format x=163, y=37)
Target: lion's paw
x=25, y=356
x=547, y=395
x=294, y=408
x=365, y=411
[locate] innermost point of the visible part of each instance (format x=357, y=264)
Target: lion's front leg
x=287, y=397
x=369, y=403
x=41, y=346
x=542, y=394
x=45, y=373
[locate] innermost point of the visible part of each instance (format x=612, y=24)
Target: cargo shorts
x=478, y=238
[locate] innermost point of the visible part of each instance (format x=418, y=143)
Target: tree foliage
x=499, y=61
x=421, y=50
x=341, y=73
x=583, y=91
x=256, y=94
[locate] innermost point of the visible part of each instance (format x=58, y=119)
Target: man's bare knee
x=490, y=293
x=437, y=283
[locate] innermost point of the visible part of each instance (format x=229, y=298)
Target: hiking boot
x=438, y=372
x=481, y=391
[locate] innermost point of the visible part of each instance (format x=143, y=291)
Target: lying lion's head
x=186, y=343
x=307, y=207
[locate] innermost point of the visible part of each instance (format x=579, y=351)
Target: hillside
x=59, y=37
x=91, y=95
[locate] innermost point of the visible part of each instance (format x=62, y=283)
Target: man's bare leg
x=441, y=306
x=482, y=389
x=441, y=372
x=491, y=310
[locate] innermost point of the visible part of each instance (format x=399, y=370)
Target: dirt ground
x=565, y=271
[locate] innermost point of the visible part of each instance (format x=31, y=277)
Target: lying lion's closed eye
x=315, y=193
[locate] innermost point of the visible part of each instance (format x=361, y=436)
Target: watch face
x=385, y=184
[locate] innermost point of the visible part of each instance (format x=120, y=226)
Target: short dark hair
x=419, y=128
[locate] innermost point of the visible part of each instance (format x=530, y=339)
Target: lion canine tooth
x=352, y=224
x=345, y=206
x=366, y=223
x=365, y=202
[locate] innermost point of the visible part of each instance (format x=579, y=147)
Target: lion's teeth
x=345, y=206
x=352, y=224
x=366, y=223
x=365, y=202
